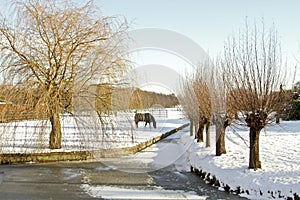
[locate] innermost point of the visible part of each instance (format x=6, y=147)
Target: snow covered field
x=84, y=132
x=279, y=154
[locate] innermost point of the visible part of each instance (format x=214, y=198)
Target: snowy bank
x=279, y=177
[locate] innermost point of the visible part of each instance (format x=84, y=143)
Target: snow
x=157, y=156
x=84, y=132
x=109, y=192
x=279, y=154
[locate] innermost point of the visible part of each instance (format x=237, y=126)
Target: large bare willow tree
x=255, y=75
x=201, y=88
x=54, y=50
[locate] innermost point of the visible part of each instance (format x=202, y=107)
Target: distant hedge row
x=10, y=112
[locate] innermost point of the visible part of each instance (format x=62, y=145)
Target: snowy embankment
x=279, y=154
x=85, y=132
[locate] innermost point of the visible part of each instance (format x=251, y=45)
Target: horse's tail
x=153, y=121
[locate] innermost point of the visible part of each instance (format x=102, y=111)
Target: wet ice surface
x=158, y=172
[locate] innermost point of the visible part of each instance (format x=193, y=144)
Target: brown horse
x=145, y=117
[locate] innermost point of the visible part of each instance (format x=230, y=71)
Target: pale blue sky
x=207, y=22
x=210, y=22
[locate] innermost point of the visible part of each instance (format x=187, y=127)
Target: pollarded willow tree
x=54, y=50
x=187, y=99
x=204, y=98
x=201, y=86
x=222, y=110
x=196, y=100
x=254, y=75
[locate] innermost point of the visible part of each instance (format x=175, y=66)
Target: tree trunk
x=191, y=128
x=220, y=139
x=277, y=118
x=236, y=116
x=254, y=162
x=196, y=127
x=207, y=130
x=199, y=134
x=55, y=135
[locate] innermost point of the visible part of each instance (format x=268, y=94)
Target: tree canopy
x=60, y=49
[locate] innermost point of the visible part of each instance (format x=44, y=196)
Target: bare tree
x=222, y=111
x=187, y=99
x=203, y=99
x=58, y=50
x=201, y=86
x=196, y=100
x=254, y=74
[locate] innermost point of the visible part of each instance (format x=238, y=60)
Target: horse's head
x=154, y=124
x=153, y=121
